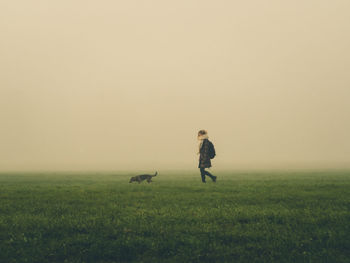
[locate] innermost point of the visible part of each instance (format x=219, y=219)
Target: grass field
x=244, y=217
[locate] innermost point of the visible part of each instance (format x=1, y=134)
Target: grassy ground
x=244, y=217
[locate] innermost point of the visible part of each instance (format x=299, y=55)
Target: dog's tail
x=155, y=174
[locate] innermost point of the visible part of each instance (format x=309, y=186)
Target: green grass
x=244, y=217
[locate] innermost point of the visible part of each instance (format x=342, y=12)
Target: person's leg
x=202, y=174
x=213, y=177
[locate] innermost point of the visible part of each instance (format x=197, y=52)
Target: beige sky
x=127, y=84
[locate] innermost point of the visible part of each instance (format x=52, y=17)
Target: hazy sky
x=127, y=84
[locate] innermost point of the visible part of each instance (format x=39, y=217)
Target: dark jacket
x=204, y=159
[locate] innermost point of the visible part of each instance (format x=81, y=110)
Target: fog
x=108, y=85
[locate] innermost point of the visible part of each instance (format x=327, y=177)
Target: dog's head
x=132, y=179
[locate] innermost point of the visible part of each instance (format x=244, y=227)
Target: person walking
x=206, y=152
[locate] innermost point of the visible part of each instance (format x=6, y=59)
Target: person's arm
x=205, y=153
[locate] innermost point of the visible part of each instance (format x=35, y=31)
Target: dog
x=142, y=177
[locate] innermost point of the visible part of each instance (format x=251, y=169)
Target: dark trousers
x=204, y=173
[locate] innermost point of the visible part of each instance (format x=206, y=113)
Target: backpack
x=211, y=150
